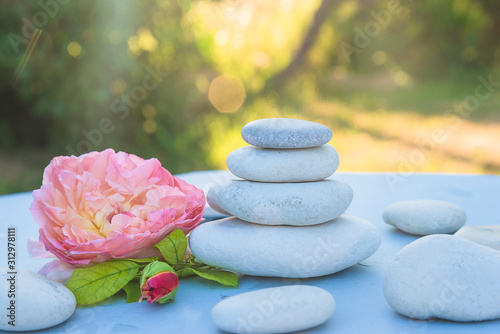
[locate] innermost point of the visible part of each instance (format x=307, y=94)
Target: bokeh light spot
x=146, y=40
x=379, y=57
x=261, y=59
x=133, y=45
x=221, y=38
x=149, y=111
x=149, y=126
x=118, y=86
x=401, y=78
x=74, y=49
x=226, y=93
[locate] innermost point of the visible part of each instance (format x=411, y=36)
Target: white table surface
x=361, y=307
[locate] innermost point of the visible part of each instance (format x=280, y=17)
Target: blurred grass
x=376, y=127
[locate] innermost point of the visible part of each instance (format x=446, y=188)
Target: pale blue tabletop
x=361, y=307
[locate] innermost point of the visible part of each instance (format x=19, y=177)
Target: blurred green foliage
x=138, y=76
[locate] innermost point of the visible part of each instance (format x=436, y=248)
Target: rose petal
x=58, y=271
x=36, y=250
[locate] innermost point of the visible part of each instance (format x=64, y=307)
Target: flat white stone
x=302, y=204
x=285, y=133
x=285, y=251
x=283, y=165
x=423, y=217
x=282, y=309
x=486, y=235
x=39, y=302
x=447, y=277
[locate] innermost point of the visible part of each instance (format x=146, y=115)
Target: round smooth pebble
x=284, y=251
x=446, y=277
x=273, y=165
x=285, y=133
x=301, y=204
x=39, y=302
x=423, y=217
x=282, y=309
x=486, y=235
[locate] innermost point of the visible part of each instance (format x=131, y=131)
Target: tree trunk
x=298, y=60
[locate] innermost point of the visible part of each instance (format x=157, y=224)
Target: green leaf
x=185, y=272
x=145, y=260
x=221, y=276
x=173, y=246
x=98, y=282
x=169, y=298
x=133, y=291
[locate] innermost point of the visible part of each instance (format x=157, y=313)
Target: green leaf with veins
x=221, y=276
x=173, y=246
x=93, y=284
x=145, y=260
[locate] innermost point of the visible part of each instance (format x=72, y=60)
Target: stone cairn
x=288, y=218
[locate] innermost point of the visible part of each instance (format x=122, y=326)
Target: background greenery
x=230, y=62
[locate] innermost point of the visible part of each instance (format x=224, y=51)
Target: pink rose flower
x=107, y=205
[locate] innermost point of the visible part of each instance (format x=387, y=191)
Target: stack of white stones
x=289, y=219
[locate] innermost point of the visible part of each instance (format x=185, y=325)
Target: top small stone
x=285, y=133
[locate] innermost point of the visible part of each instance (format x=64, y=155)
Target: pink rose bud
x=160, y=288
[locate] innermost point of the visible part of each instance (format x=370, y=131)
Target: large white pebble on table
x=486, y=235
x=285, y=133
x=423, y=217
x=284, y=251
x=293, y=165
x=302, y=204
x=39, y=302
x=281, y=309
x=447, y=277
